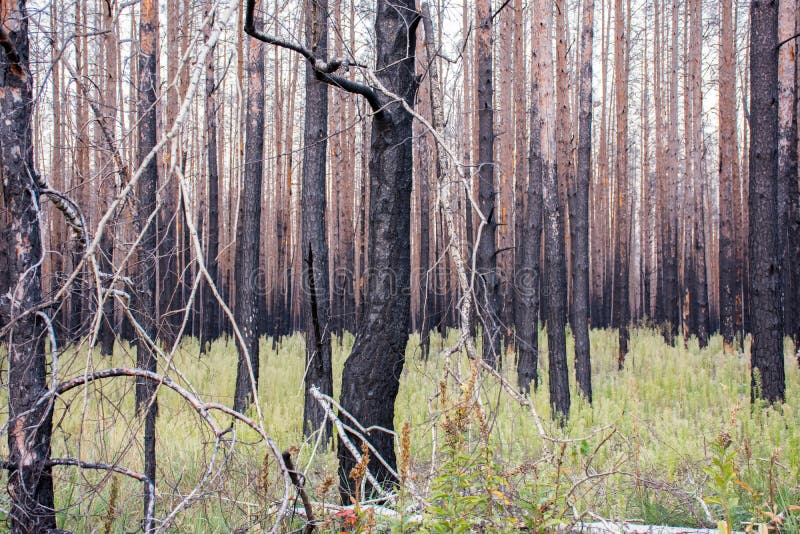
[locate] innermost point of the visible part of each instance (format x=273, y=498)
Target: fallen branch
x=310, y=524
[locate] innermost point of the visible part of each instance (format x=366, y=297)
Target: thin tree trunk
x=145, y=311
x=426, y=296
x=787, y=159
x=248, y=234
x=728, y=168
x=622, y=202
x=579, y=214
x=109, y=189
x=210, y=330
x=527, y=274
x=315, y=247
x=700, y=288
x=489, y=282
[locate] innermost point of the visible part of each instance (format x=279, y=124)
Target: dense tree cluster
x=173, y=169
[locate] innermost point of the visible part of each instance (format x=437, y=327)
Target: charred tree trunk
x=622, y=203
x=526, y=274
x=145, y=312
x=554, y=283
x=30, y=484
x=426, y=296
x=489, y=282
x=109, y=189
x=728, y=167
x=210, y=329
x=700, y=289
x=579, y=213
x=371, y=376
x=248, y=234
x=787, y=160
x=671, y=293
x=315, y=247
x=766, y=320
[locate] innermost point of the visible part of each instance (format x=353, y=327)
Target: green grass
x=666, y=407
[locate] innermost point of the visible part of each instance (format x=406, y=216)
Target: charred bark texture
x=210, y=330
x=145, y=312
x=489, y=281
x=248, y=233
x=766, y=319
x=579, y=212
x=371, y=376
x=30, y=484
x=728, y=166
x=622, y=202
x=526, y=272
x=315, y=247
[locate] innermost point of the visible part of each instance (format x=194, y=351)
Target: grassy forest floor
x=671, y=439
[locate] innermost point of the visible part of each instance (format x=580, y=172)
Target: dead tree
x=371, y=376
x=30, y=484
x=579, y=211
x=728, y=168
x=527, y=271
x=489, y=281
x=248, y=231
x=210, y=328
x=622, y=202
x=315, y=246
x=554, y=279
x=766, y=320
x=145, y=309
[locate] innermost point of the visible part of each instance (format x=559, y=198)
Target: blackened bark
x=371, y=376
x=30, y=484
x=554, y=282
x=555, y=294
x=579, y=212
x=700, y=289
x=787, y=160
x=145, y=311
x=728, y=281
x=622, y=203
x=248, y=234
x=489, y=281
x=426, y=296
x=315, y=247
x=526, y=273
x=671, y=293
x=766, y=320
x=210, y=330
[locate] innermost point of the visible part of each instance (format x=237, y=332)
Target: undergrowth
x=671, y=439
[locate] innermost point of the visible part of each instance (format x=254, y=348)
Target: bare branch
x=323, y=70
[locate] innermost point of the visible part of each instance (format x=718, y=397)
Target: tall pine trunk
x=554, y=282
x=622, y=202
x=728, y=168
x=579, y=212
x=145, y=311
x=315, y=247
x=766, y=320
x=248, y=231
x=210, y=329
x=489, y=281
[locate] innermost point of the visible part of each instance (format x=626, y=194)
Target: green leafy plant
x=723, y=476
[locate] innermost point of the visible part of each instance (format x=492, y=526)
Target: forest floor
x=672, y=439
